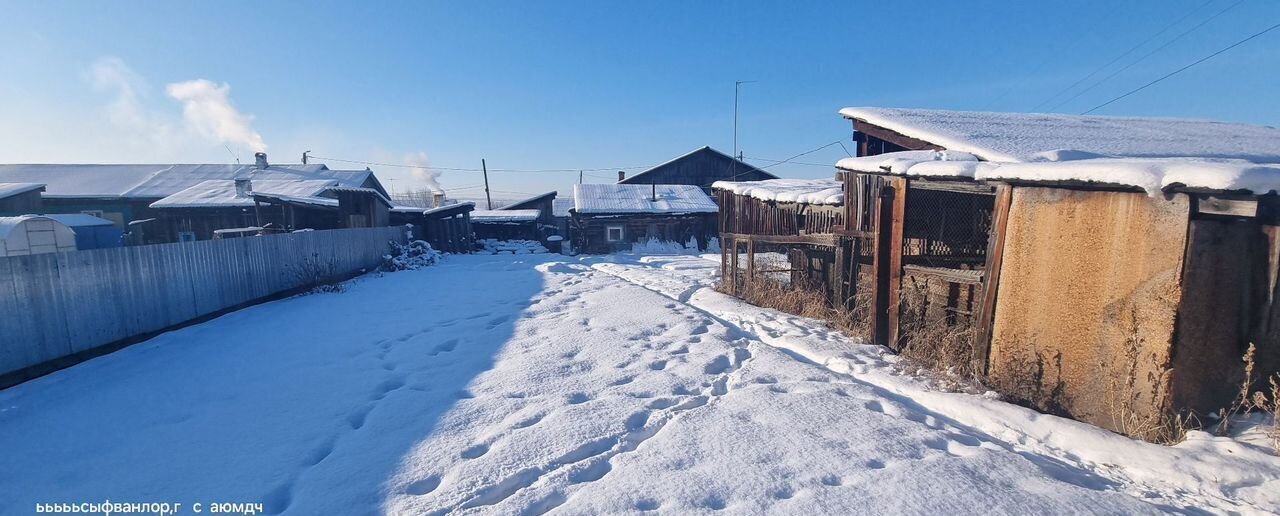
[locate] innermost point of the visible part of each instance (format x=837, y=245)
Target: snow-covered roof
x=1151, y=174
x=158, y=181
x=483, y=216
x=12, y=189
x=79, y=220
x=623, y=198
x=805, y=191
x=560, y=207
x=222, y=192
x=1033, y=137
x=323, y=202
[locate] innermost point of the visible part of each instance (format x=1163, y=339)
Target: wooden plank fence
x=59, y=305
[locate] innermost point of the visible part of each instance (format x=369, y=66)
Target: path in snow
x=523, y=385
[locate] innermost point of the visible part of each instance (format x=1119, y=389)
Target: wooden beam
x=991, y=279
x=880, y=269
x=1227, y=206
x=900, y=187
x=891, y=136
x=822, y=240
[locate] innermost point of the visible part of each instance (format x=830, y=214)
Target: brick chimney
x=260, y=160
x=621, y=175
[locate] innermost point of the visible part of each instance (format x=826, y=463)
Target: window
x=613, y=233
x=186, y=236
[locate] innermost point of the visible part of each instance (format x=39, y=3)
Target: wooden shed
x=506, y=224
x=608, y=218
x=447, y=228
x=1096, y=265
x=700, y=167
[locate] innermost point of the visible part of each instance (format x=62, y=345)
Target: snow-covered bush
x=495, y=246
x=655, y=246
x=412, y=256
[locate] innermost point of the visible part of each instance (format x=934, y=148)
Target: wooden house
x=20, y=198
x=361, y=207
x=611, y=217
x=124, y=193
x=700, y=167
x=1093, y=262
x=196, y=213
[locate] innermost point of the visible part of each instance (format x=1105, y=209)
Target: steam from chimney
x=207, y=108
x=422, y=173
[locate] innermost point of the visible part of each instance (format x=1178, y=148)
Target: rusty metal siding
x=1086, y=275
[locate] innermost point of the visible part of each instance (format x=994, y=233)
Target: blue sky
x=568, y=85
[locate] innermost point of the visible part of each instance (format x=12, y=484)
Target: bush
x=412, y=256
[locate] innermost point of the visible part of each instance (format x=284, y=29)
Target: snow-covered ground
x=535, y=383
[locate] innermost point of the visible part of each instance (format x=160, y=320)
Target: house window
x=613, y=233
x=186, y=236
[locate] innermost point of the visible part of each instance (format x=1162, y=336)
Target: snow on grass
x=526, y=384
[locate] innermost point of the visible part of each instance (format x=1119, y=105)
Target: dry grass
x=935, y=337
x=1140, y=405
x=768, y=292
x=1265, y=400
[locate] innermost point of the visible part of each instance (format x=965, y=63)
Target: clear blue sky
x=598, y=84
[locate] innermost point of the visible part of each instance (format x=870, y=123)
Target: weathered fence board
x=56, y=305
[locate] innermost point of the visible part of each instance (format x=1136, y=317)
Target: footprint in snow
x=422, y=486
x=475, y=451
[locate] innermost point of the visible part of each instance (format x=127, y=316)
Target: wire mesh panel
x=946, y=228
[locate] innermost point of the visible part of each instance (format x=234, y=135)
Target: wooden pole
x=488, y=201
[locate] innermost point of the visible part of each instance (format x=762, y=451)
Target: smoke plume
x=207, y=108
x=421, y=171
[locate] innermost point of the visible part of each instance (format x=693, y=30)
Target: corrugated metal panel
x=60, y=303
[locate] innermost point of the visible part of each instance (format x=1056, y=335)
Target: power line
x=811, y=151
x=778, y=161
x=1122, y=56
x=463, y=169
x=1180, y=70
x=1148, y=54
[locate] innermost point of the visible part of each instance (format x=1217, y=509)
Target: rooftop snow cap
x=260, y=160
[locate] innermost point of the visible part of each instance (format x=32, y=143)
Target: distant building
x=700, y=167
x=611, y=217
x=124, y=193
x=20, y=198
x=506, y=224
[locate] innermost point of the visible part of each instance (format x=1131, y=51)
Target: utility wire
x=1148, y=54
x=811, y=151
x=1122, y=56
x=756, y=158
x=459, y=169
x=1184, y=68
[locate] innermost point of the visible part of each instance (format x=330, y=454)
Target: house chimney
x=654, y=196
x=244, y=187
x=621, y=175
x=437, y=199
x=260, y=160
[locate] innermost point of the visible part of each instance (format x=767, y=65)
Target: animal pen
x=1098, y=302
x=929, y=237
